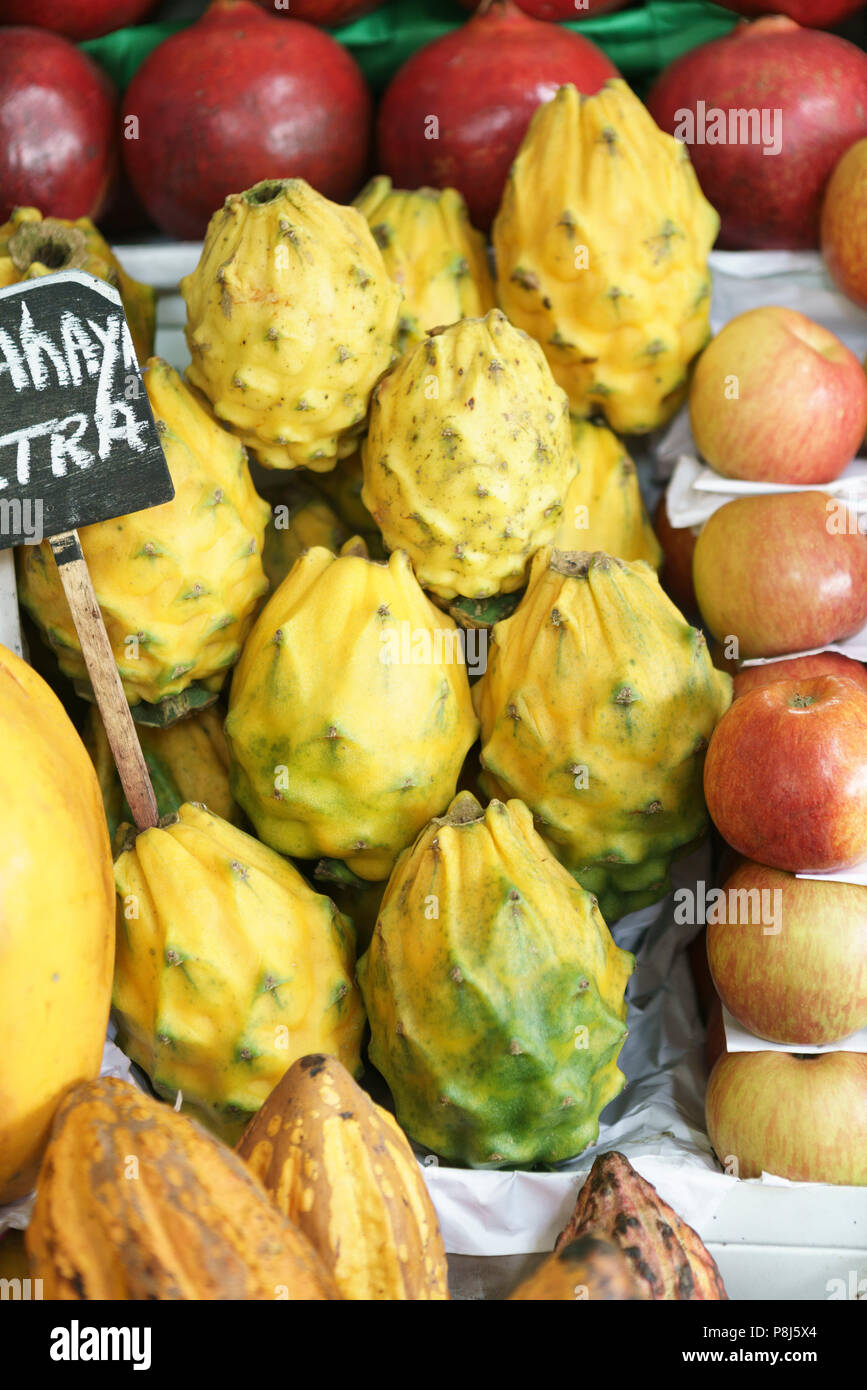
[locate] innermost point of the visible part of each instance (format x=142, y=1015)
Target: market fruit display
x=32, y=245
x=349, y=649
x=495, y=994
x=844, y=224
x=786, y=774
x=819, y=86
x=776, y=398
x=781, y=573
x=601, y=244
x=667, y=1258
x=229, y=966
x=789, y=955
x=341, y=1170
x=800, y=1116
x=798, y=668
x=47, y=86
x=187, y=760
x=604, y=509
x=587, y=1268
x=596, y=708
x=291, y=316
x=432, y=252
x=57, y=940
x=468, y=457
x=137, y=1202
x=482, y=82
x=238, y=97
x=178, y=584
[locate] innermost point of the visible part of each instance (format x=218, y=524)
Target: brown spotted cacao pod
x=135, y=1201
x=667, y=1257
x=342, y=1171
x=586, y=1268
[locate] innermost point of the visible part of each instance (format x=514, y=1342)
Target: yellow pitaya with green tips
x=601, y=244
x=468, y=457
x=596, y=707
x=604, y=509
x=178, y=584
x=291, y=318
x=229, y=967
x=350, y=712
x=432, y=251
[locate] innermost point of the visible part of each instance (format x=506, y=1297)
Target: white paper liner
x=740, y=1039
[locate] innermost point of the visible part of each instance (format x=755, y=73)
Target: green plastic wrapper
x=638, y=41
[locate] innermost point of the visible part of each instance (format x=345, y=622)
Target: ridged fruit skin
x=604, y=509
x=184, y=578
x=291, y=317
x=601, y=244
x=468, y=457
x=495, y=994
x=587, y=1268
x=669, y=1261
x=237, y=97
x=232, y=967
x=344, y=650
x=135, y=1202
x=187, y=761
x=430, y=249
x=300, y=519
x=483, y=82
x=28, y=237
x=57, y=937
x=596, y=708
x=343, y=1172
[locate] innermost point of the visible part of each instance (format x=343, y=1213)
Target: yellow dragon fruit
x=601, y=246
x=33, y=245
x=291, y=317
x=596, y=708
x=604, y=508
x=431, y=250
x=178, y=584
x=468, y=457
x=300, y=519
x=229, y=967
x=350, y=712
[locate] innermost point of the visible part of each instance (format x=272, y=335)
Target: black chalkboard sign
x=78, y=443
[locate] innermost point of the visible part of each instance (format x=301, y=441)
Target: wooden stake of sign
x=105, y=678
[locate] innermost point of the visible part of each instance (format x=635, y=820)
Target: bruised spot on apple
x=802, y=977
x=780, y=574
x=801, y=1117
x=778, y=398
x=785, y=776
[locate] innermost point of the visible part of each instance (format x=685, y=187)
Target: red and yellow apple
x=801, y=1117
x=778, y=398
x=844, y=224
x=785, y=774
x=791, y=968
x=782, y=572
x=817, y=664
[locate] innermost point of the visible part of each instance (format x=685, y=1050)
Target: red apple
x=57, y=138
x=818, y=664
x=821, y=14
x=788, y=955
x=844, y=224
x=76, y=19
x=781, y=572
x=808, y=95
x=800, y=1117
x=785, y=775
x=678, y=547
x=777, y=398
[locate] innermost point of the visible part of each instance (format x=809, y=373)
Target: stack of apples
x=779, y=400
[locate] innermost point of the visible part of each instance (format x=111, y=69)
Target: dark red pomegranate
x=456, y=112
x=238, y=97
x=809, y=89
x=57, y=126
x=819, y=14
x=330, y=14
x=559, y=10
x=75, y=19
